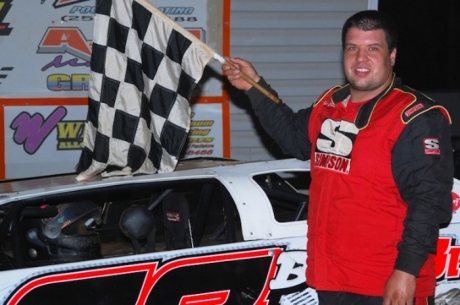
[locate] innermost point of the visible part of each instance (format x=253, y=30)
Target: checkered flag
x=143, y=71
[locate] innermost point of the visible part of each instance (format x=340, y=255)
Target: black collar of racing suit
x=366, y=110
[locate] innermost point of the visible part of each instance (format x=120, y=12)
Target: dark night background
x=428, y=57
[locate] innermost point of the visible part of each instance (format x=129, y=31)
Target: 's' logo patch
x=431, y=146
x=334, y=145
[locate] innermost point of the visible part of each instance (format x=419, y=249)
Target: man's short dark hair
x=373, y=20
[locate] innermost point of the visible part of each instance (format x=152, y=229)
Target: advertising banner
x=44, y=79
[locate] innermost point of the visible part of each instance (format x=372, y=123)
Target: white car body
x=264, y=265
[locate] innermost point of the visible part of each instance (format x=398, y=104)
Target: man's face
x=368, y=63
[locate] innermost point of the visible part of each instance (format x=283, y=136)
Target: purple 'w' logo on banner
x=31, y=131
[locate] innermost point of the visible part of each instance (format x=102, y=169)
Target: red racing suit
x=382, y=175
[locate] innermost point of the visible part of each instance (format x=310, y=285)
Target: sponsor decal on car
x=448, y=259
x=455, y=202
x=173, y=281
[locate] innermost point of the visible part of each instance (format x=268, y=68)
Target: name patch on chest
x=332, y=162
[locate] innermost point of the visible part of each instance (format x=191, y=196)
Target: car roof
x=223, y=169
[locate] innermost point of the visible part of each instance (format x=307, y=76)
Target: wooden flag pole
x=205, y=47
x=244, y=76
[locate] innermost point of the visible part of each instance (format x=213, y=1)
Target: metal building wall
x=296, y=46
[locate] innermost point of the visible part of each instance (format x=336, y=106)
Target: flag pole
x=204, y=46
x=244, y=76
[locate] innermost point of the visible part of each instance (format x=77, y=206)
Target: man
x=382, y=172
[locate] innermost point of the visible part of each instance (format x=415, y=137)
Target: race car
x=212, y=232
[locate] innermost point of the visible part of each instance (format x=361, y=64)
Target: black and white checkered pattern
x=142, y=76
